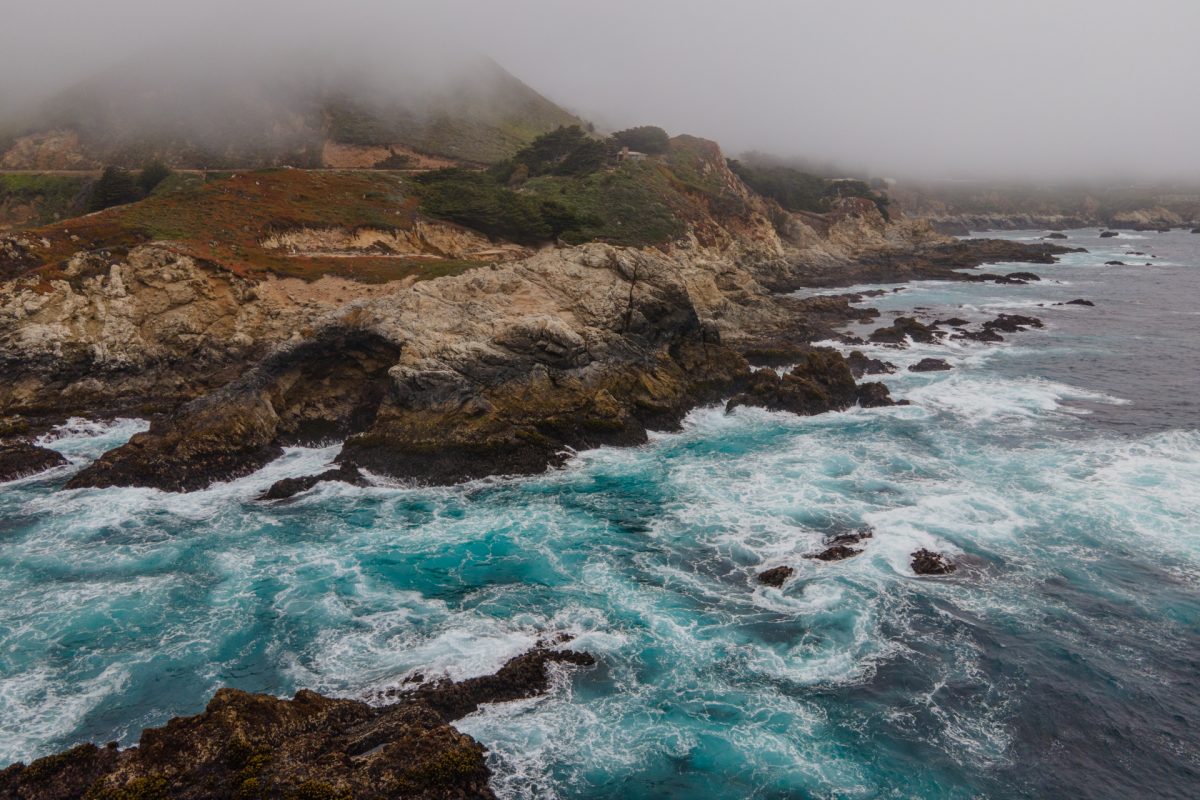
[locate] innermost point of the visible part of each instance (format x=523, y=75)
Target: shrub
x=152, y=175
x=114, y=187
x=643, y=139
x=791, y=188
x=478, y=200
x=563, y=151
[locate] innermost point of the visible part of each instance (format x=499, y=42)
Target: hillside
x=226, y=117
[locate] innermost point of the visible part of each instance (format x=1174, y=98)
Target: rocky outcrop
x=837, y=552
x=930, y=260
x=902, y=330
x=929, y=562
x=776, y=576
x=929, y=365
x=861, y=365
x=821, y=382
x=257, y=746
x=290, y=487
x=323, y=388
x=140, y=333
x=21, y=459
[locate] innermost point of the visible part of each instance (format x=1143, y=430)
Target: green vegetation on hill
x=643, y=139
x=569, y=185
x=46, y=197
x=791, y=188
x=796, y=190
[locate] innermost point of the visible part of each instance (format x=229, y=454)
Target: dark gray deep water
x=1061, y=469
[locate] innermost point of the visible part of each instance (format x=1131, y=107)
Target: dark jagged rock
x=324, y=388
x=1077, y=302
x=310, y=747
x=929, y=365
x=775, y=354
x=775, y=576
x=874, y=395
x=901, y=330
x=939, y=261
x=851, y=537
x=1024, y=276
x=1004, y=279
x=22, y=459
x=835, y=553
x=1012, y=323
x=1055, y=235
x=928, y=562
x=861, y=365
x=288, y=487
x=821, y=382
x=982, y=335
x=1195, y=230
x=952, y=322
x=1115, y=264
x=1108, y=234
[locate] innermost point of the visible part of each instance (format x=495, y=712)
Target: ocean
x=1059, y=469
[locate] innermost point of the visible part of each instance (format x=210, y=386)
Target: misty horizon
x=933, y=90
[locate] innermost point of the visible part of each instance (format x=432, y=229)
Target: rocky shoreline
x=504, y=370
x=310, y=747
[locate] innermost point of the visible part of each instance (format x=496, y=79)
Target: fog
x=932, y=88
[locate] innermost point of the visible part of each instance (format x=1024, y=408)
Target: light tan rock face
x=423, y=240
x=156, y=325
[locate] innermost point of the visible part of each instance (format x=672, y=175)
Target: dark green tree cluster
x=117, y=186
x=152, y=175
x=648, y=139
x=114, y=187
x=565, y=151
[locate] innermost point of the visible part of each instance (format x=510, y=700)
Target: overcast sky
x=932, y=87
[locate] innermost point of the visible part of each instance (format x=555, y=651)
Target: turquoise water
x=1061, y=469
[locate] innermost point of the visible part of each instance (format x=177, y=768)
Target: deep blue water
x=1061, y=469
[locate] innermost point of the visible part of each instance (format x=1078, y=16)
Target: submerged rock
x=928, y=562
x=1023, y=276
x=835, y=553
x=851, y=537
x=1076, y=302
x=929, y=365
x=775, y=576
x=22, y=459
x=257, y=746
x=289, y=487
x=1115, y=264
x=952, y=322
x=1012, y=323
x=1055, y=235
x=1195, y=230
x=983, y=335
x=1108, y=234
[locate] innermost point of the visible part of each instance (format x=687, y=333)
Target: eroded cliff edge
x=505, y=368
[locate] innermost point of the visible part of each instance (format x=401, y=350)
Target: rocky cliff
x=504, y=368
